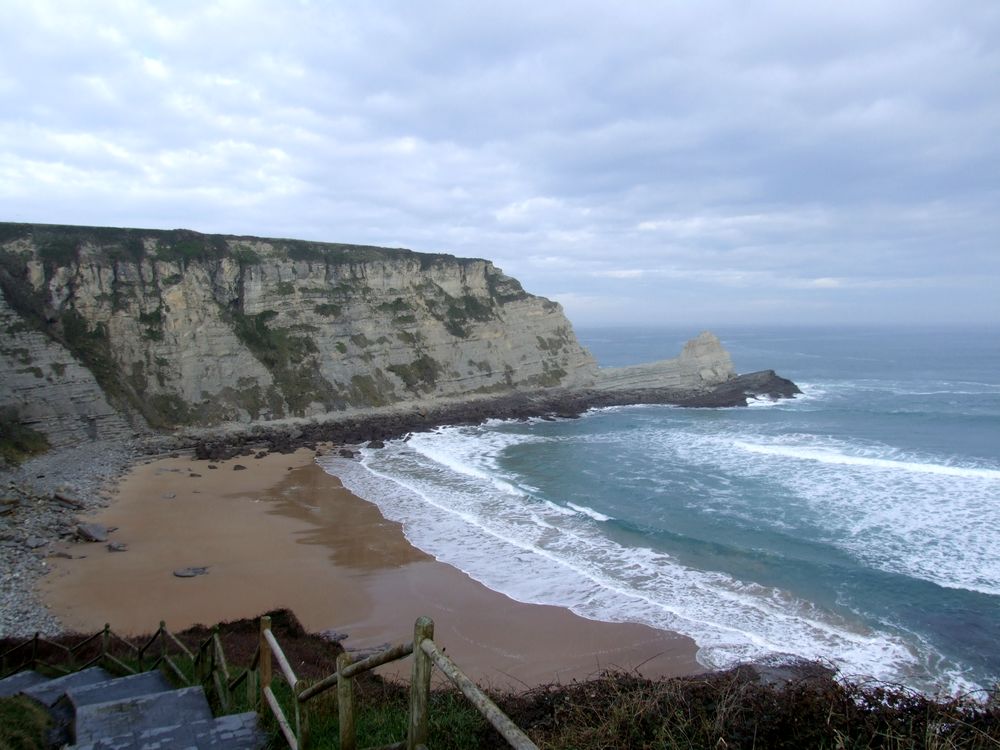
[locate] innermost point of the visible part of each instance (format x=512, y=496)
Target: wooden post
x=420, y=685
x=252, y=685
x=106, y=639
x=163, y=639
x=265, y=657
x=34, y=651
x=345, y=705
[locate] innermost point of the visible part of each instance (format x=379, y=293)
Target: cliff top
x=60, y=243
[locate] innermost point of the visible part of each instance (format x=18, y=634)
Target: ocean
x=858, y=524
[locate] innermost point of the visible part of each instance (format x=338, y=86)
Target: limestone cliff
x=176, y=327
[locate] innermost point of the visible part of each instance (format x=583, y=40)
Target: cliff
x=104, y=327
x=110, y=331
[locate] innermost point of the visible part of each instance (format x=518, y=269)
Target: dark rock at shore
x=376, y=444
x=374, y=429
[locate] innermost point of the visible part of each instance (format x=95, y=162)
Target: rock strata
x=180, y=328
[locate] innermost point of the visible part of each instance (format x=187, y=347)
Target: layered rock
x=49, y=389
x=702, y=364
x=182, y=328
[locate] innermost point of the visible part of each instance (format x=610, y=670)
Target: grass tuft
x=24, y=724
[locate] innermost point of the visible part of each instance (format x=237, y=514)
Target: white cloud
x=832, y=151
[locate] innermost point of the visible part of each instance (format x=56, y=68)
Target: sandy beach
x=283, y=533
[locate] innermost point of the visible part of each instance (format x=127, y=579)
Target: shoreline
x=395, y=421
x=284, y=533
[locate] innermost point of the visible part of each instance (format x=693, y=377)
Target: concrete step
x=21, y=681
x=233, y=732
x=50, y=691
x=140, y=714
x=119, y=688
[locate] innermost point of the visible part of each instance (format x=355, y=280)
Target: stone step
x=118, y=689
x=50, y=691
x=233, y=732
x=140, y=714
x=64, y=710
x=18, y=682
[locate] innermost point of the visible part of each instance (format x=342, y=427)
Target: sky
x=674, y=163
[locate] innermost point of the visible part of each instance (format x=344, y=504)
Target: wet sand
x=283, y=533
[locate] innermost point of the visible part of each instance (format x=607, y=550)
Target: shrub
x=17, y=440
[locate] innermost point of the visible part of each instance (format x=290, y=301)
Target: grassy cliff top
x=60, y=244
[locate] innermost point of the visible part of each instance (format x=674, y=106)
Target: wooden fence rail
x=426, y=655
x=208, y=661
x=209, y=667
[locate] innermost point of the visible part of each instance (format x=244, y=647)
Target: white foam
x=590, y=512
x=827, y=456
x=552, y=558
x=897, y=512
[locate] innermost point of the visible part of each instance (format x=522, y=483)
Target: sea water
x=858, y=524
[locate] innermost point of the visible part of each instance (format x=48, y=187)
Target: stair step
x=16, y=683
x=50, y=691
x=120, y=688
x=233, y=732
x=140, y=714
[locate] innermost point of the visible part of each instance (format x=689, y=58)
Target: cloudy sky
x=665, y=162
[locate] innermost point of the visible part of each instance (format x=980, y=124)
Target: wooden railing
x=31, y=654
x=210, y=669
x=426, y=655
x=208, y=661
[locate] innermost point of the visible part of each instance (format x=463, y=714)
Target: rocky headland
x=122, y=342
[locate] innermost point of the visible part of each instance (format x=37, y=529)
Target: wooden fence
x=210, y=669
x=426, y=655
x=208, y=661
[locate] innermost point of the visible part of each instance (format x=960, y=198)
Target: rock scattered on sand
x=191, y=572
x=168, y=495
x=117, y=547
x=239, y=467
x=67, y=501
x=193, y=475
x=92, y=532
x=40, y=500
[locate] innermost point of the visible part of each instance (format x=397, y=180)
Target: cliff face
x=175, y=327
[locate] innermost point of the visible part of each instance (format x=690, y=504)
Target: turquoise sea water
x=858, y=523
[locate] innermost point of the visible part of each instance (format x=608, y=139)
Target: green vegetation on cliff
x=61, y=245
x=167, y=322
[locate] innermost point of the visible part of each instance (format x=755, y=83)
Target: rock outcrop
x=49, y=389
x=178, y=328
x=703, y=363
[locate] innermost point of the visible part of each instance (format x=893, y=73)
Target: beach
x=280, y=532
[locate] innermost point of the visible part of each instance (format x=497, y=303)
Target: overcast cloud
x=672, y=162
